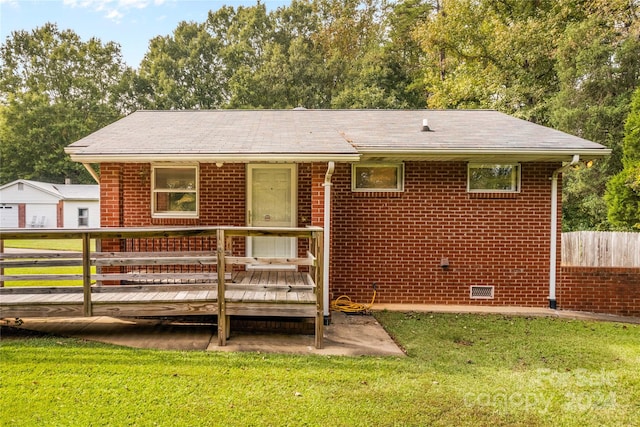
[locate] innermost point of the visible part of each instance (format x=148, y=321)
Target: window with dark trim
x=83, y=217
x=493, y=178
x=373, y=177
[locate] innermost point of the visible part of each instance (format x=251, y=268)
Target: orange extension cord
x=345, y=305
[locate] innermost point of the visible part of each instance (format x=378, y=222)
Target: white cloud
x=114, y=10
x=114, y=15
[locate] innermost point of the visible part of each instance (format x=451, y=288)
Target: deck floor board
x=251, y=287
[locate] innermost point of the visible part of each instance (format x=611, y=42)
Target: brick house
x=435, y=207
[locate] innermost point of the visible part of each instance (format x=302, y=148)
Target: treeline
x=569, y=64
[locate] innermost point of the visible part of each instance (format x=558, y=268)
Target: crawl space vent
x=481, y=292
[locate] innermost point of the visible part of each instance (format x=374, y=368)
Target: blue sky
x=131, y=23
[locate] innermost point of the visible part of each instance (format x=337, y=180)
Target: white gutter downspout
x=327, y=238
x=553, y=255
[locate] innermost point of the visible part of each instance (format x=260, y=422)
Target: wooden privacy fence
x=184, y=271
x=600, y=249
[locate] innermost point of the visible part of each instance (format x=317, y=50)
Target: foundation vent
x=481, y=292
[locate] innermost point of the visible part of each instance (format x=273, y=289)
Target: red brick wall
x=600, y=290
x=398, y=239
x=22, y=215
x=395, y=239
x=110, y=195
x=60, y=215
x=126, y=197
x=319, y=171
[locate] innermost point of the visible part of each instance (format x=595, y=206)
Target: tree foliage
x=623, y=190
x=54, y=89
x=598, y=66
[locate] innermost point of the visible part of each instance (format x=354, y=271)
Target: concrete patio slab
x=347, y=335
x=357, y=335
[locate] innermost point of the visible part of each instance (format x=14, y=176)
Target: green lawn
x=44, y=244
x=460, y=370
x=49, y=244
x=45, y=270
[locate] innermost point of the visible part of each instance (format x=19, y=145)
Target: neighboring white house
x=33, y=204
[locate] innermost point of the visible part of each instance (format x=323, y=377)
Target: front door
x=271, y=202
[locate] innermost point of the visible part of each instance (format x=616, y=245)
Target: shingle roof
x=321, y=134
x=79, y=191
x=61, y=191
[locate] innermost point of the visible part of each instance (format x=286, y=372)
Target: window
x=175, y=191
x=377, y=177
x=83, y=217
x=493, y=178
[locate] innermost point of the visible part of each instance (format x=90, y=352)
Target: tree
x=598, y=66
x=54, y=90
x=387, y=73
x=289, y=71
x=182, y=71
x=623, y=190
x=495, y=54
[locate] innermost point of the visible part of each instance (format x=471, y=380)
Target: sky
x=130, y=23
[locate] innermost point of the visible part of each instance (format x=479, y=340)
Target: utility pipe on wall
x=327, y=240
x=553, y=254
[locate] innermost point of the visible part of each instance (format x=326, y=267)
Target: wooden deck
x=250, y=293
x=275, y=290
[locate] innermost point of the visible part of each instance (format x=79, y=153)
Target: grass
x=46, y=244
x=44, y=270
x=459, y=370
x=49, y=244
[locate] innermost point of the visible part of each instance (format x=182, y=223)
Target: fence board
x=600, y=249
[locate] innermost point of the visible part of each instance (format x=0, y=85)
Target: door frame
x=293, y=168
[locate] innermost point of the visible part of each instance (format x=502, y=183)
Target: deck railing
x=178, y=256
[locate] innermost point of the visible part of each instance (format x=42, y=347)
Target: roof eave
x=215, y=158
x=463, y=154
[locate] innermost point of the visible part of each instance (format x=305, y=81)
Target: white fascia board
x=465, y=154
x=214, y=158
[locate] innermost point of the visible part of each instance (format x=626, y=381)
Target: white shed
x=34, y=204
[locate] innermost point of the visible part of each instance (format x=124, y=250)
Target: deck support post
x=86, y=274
x=223, y=329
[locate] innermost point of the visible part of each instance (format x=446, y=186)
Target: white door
x=9, y=216
x=271, y=202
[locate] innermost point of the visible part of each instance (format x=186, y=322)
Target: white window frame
x=195, y=190
x=399, y=173
x=516, y=177
x=83, y=218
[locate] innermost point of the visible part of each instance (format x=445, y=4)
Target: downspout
x=92, y=172
x=553, y=255
x=327, y=237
